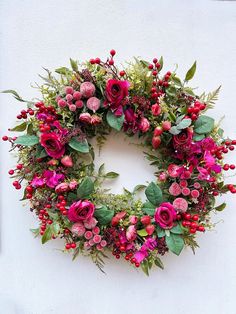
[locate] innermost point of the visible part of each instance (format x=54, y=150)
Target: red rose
x=115, y=93
x=184, y=139
x=81, y=211
x=165, y=215
x=53, y=146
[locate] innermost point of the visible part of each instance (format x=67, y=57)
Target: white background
x=41, y=280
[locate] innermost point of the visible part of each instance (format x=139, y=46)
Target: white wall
x=41, y=280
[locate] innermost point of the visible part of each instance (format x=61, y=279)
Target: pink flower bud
x=72, y=107
x=97, y=238
x=96, y=120
x=69, y=90
x=88, y=235
x=52, y=162
x=87, y=89
x=180, y=204
x=133, y=219
x=90, y=223
x=156, y=141
x=150, y=229
x=73, y=184
x=103, y=243
x=67, y=161
x=156, y=109
x=62, y=103
x=69, y=97
x=62, y=187
x=162, y=176
x=166, y=125
x=144, y=125
x=85, y=117
x=175, y=189
x=93, y=103
x=77, y=95
x=79, y=104
x=131, y=233
x=78, y=229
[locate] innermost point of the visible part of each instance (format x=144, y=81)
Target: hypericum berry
x=111, y=62
x=11, y=172
x=231, y=147
x=122, y=73
x=97, y=60
x=192, y=230
x=232, y=167
x=112, y=52
x=137, y=264
x=5, y=138
x=187, y=216
x=68, y=246
x=19, y=166
x=226, y=167
x=150, y=66
x=73, y=245
x=92, y=61
x=195, y=217
x=201, y=228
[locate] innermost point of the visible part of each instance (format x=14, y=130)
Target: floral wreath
x=66, y=192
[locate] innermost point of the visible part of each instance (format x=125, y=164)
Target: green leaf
x=20, y=127
x=145, y=267
x=190, y=74
x=220, y=207
x=27, y=140
x=174, y=130
x=111, y=175
x=74, y=65
x=47, y=235
x=154, y=193
x=104, y=215
x=72, y=197
x=35, y=232
x=85, y=188
x=175, y=243
x=161, y=63
x=198, y=137
x=63, y=70
x=142, y=233
x=148, y=208
x=158, y=262
x=138, y=188
x=40, y=152
x=204, y=125
x=81, y=147
x=184, y=124
x=160, y=232
x=176, y=80
x=114, y=121
x=176, y=229
x=101, y=170
x=55, y=228
x=14, y=93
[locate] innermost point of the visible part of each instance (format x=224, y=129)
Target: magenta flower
x=52, y=144
x=82, y=210
x=52, y=179
x=165, y=215
x=131, y=233
x=37, y=182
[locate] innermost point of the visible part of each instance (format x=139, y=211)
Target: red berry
x=73, y=245
x=92, y=61
x=97, y=60
x=11, y=172
x=195, y=217
x=187, y=216
x=201, y=229
x=19, y=166
x=68, y=246
x=192, y=230
x=122, y=73
x=5, y=138
x=158, y=131
x=112, y=52
x=226, y=167
x=137, y=264
x=111, y=62
x=231, y=147
x=232, y=167
x=150, y=66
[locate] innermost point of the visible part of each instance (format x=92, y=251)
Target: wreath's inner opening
x=122, y=154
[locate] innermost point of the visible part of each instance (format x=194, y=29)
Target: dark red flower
x=53, y=146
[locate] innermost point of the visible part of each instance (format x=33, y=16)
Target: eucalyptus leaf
x=174, y=130
x=111, y=175
x=80, y=146
x=154, y=193
x=220, y=207
x=175, y=243
x=27, y=140
x=148, y=208
x=104, y=215
x=204, y=125
x=86, y=187
x=184, y=124
x=114, y=121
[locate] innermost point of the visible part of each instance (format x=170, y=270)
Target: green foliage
x=177, y=229
x=86, y=187
x=104, y=215
x=175, y=243
x=148, y=208
x=20, y=127
x=204, y=125
x=210, y=98
x=114, y=121
x=154, y=193
x=74, y=65
x=142, y=233
x=181, y=124
x=111, y=175
x=27, y=140
x=220, y=207
x=190, y=74
x=79, y=146
x=160, y=232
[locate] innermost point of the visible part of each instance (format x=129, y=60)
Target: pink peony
x=62, y=187
x=180, y=204
x=175, y=189
x=116, y=91
x=165, y=215
x=82, y=210
x=78, y=229
x=52, y=144
x=131, y=233
x=93, y=104
x=85, y=117
x=144, y=125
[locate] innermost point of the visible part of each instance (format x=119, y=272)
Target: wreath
x=66, y=191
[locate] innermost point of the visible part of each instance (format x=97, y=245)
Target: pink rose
x=81, y=211
x=144, y=125
x=131, y=233
x=73, y=184
x=156, y=109
x=87, y=89
x=78, y=229
x=165, y=215
x=96, y=120
x=115, y=92
x=62, y=187
x=90, y=223
x=133, y=219
x=53, y=146
x=93, y=103
x=85, y=117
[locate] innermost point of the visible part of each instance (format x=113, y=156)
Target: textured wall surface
x=36, y=280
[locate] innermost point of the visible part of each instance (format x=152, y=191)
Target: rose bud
x=62, y=187
x=52, y=162
x=146, y=220
x=156, y=141
x=150, y=229
x=144, y=125
x=133, y=219
x=156, y=109
x=166, y=125
x=67, y=161
x=96, y=120
x=85, y=117
x=73, y=184
x=158, y=131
